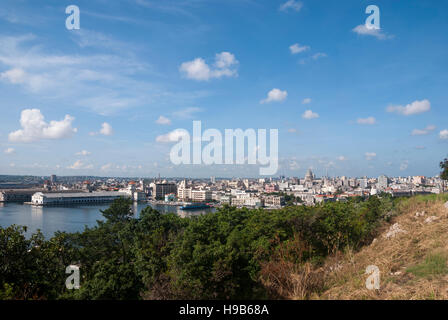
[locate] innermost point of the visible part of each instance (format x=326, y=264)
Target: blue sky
x=100, y=100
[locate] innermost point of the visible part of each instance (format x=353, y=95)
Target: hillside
x=411, y=253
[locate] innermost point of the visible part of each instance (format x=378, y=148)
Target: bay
x=70, y=219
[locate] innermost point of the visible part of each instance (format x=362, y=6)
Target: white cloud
x=293, y=165
x=35, y=128
x=377, y=33
x=10, y=150
x=415, y=107
x=106, y=167
x=314, y=57
x=368, y=121
x=370, y=156
x=296, y=48
x=309, y=114
x=106, y=129
x=83, y=153
x=197, y=69
x=291, y=5
x=443, y=134
x=319, y=55
x=172, y=136
x=14, y=75
x=404, y=165
x=101, y=82
x=342, y=158
x=306, y=101
x=275, y=95
x=225, y=60
x=33, y=82
x=163, y=120
x=78, y=165
x=186, y=113
x=422, y=132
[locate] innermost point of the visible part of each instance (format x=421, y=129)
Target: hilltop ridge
x=411, y=253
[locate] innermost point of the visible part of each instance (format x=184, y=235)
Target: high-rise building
x=164, y=188
x=383, y=182
x=363, y=183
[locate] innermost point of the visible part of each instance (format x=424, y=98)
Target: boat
x=194, y=206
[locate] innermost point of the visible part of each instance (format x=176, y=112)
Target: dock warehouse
x=48, y=199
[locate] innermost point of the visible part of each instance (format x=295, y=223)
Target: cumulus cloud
x=225, y=60
x=83, y=153
x=443, y=134
x=415, y=107
x=291, y=5
x=422, y=132
x=163, y=120
x=106, y=130
x=275, y=95
x=370, y=156
x=197, y=69
x=297, y=48
x=342, y=158
x=377, y=33
x=309, y=114
x=10, y=150
x=35, y=128
x=78, y=165
x=367, y=121
x=172, y=136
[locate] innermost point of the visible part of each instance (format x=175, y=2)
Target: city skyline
x=105, y=100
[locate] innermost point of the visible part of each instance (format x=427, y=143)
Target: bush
x=230, y=254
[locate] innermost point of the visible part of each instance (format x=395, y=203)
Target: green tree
x=444, y=173
x=444, y=167
x=120, y=210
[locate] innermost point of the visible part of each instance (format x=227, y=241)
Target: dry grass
x=412, y=264
x=284, y=280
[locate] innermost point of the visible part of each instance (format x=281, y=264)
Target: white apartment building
x=201, y=195
x=184, y=193
x=274, y=201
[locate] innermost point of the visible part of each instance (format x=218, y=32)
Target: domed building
x=309, y=177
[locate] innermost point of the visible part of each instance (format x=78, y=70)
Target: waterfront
x=70, y=219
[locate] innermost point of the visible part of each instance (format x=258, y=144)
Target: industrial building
x=48, y=199
x=18, y=195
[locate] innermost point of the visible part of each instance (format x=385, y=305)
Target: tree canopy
x=219, y=255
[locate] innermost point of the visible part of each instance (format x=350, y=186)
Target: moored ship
x=194, y=206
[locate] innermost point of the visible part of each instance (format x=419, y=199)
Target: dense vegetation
x=444, y=167
x=162, y=256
